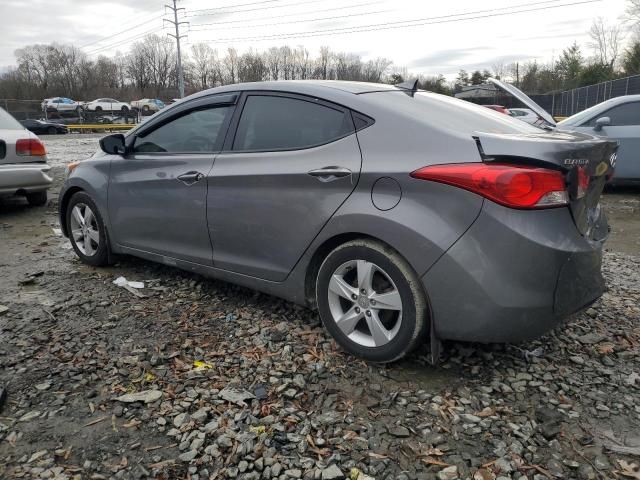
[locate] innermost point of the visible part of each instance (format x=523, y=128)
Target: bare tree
x=605, y=41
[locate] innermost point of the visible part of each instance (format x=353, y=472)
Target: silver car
x=617, y=119
x=23, y=162
x=398, y=214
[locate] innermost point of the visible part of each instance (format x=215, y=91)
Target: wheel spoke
x=88, y=215
x=341, y=288
x=77, y=214
x=88, y=248
x=378, y=331
x=94, y=235
x=348, y=321
x=76, y=234
x=365, y=275
x=387, y=301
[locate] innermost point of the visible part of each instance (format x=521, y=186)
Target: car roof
x=598, y=108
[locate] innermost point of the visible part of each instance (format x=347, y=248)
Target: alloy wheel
x=84, y=229
x=365, y=303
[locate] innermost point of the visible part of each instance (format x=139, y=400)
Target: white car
x=148, y=104
x=61, y=104
x=526, y=115
x=107, y=105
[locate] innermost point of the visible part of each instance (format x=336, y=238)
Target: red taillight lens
x=509, y=185
x=583, y=181
x=30, y=146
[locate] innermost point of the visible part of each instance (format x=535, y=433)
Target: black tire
x=37, y=199
x=101, y=256
x=415, y=314
x=124, y=109
x=145, y=108
x=52, y=130
x=98, y=109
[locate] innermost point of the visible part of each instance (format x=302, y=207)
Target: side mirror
x=602, y=122
x=113, y=144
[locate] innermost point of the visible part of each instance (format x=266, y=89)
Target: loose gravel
x=202, y=379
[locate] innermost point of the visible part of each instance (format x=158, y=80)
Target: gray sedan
x=398, y=214
x=617, y=119
x=23, y=162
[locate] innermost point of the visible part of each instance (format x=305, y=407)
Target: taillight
x=583, y=181
x=30, y=146
x=509, y=185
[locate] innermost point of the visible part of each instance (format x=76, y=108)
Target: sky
x=427, y=37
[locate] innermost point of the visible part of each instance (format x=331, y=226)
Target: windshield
x=7, y=122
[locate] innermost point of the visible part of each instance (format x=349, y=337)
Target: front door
x=294, y=160
x=157, y=193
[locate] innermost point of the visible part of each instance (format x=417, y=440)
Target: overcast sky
x=452, y=35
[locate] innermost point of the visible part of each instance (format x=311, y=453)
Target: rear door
x=292, y=162
x=157, y=193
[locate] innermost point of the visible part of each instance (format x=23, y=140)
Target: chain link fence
x=573, y=101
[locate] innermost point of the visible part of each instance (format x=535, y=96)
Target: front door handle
x=190, y=178
x=328, y=174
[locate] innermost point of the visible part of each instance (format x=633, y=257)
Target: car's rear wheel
x=86, y=230
x=145, y=108
x=37, y=199
x=124, y=109
x=371, y=301
x=52, y=130
x=98, y=109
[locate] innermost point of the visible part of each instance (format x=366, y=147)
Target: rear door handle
x=329, y=174
x=190, y=178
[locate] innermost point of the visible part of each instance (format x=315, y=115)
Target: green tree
x=477, y=78
x=631, y=59
x=595, y=72
x=569, y=66
x=463, y=78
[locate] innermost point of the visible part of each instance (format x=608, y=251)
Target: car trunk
x=586, y=160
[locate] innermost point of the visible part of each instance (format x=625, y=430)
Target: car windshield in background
x=7, y=122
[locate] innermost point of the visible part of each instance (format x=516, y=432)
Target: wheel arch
x=64, y=203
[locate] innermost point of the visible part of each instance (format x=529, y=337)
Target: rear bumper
x=513, y=275
x=24, y=178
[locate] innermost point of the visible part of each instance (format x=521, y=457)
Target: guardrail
x=100, y=126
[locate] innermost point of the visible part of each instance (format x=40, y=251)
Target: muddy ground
x=243, y=385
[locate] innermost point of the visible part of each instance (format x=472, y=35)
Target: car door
x=157, y=192
x=292, y=162
x=625, y=128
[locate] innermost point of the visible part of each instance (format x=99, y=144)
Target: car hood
x=524, y=98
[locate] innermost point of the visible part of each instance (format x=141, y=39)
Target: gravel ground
x=201, y=379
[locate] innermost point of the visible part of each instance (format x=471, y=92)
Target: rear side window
x=271, y=123
x=7, y=122
x=196, y=131
x=621, y=115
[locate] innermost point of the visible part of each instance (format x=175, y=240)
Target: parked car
x=525, y=114
x=498, y=108
x=42, y=126
x=61, y=104
x=396, y=213
x=107, y=105
x=148, y=104
x=23, y=162
x=616, y=119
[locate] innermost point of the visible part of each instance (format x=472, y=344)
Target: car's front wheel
x=37, y=199
x=86, y=230
x=371, y=301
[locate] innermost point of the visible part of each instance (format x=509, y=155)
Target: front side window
x=621, y=115
x=271, y=123
x=196, y=131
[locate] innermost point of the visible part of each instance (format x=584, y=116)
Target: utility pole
x=177, y=36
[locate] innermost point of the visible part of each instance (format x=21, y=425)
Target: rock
x=577, y=359
x=332, y=473
x=586, y=472
x=224, y=441
x=468, y=418
x=147, y=396
x=200, y=415
x=180, y=419
x=293, y=473
x=188, y=456
x=235, y=395
x=591, y=338
x=448, y=473
x=550, y=430
x=3, y=309
x=29, y=416
x=399, y=431
x=242, y=466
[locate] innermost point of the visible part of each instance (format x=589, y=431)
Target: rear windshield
x=450, y=113
x=7, y=122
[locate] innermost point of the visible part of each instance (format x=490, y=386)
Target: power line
x=251, y=9
x=234, y=6
x=324, y=10
x=298, y=21
x=395, y=25
x=122, y=41
x=123, y=31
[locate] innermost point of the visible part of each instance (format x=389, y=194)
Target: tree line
x=148, y=69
